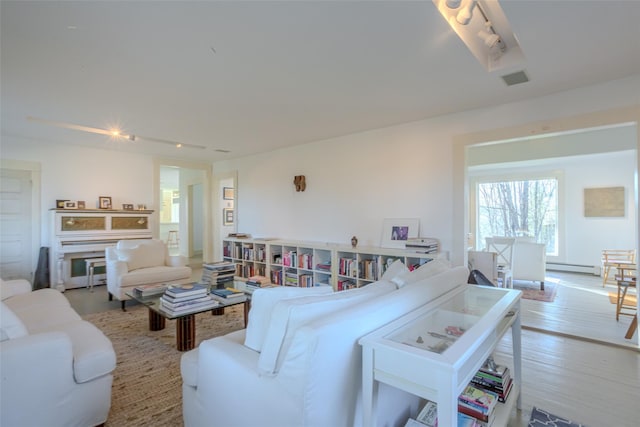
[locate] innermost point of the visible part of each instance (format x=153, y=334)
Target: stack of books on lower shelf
x=495, y=378
x=478, y=403
x=183, y=299
x=227, y=294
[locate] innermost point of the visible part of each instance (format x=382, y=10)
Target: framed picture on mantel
x=104, y=202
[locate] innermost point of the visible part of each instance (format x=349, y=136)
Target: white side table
x=416, y=353
x=505, y=277
x=91, y=263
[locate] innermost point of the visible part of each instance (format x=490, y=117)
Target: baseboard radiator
x=574, y=268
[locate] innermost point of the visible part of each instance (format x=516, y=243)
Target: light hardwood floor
x=576, y=362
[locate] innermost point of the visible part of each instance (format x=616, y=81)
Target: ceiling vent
x=515, y=78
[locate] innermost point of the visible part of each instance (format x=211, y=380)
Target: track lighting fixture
x=453, y=4
x=464, y=15
x=489, y=39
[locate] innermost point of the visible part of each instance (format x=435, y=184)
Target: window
x=525, y=207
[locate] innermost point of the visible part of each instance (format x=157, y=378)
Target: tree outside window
x=519, y=208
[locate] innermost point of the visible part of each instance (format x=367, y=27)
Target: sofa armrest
x=36, y=367
x=9, y=288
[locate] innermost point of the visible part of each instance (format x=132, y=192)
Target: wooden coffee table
x=185, y=322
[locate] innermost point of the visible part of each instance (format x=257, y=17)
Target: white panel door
x=15, y=224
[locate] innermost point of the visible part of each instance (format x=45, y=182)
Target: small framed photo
x=396, y=232
x=227, y=216
x=228, y=193
x=104, y=202
x=70, y=205
x=127, y=207
x=81, y=204
x=60, y=203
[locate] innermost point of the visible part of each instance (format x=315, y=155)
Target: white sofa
x=56, y=368
x=299, y=363
x=136, y=262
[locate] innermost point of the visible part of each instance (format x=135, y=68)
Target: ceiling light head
x=453, y=4
x=489, y=39
x=464, y=16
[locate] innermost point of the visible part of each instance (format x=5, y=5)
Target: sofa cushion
x=150, y=275
x=10, y=325
x=429, y=269
x=147, y=254
x=262, y=303
x=289, y=315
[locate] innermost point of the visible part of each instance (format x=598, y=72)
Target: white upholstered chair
x=138, y=262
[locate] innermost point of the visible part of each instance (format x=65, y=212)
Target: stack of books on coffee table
x=227, y=295
x=183, y=299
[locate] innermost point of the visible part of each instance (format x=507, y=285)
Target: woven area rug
x=531, y=290
x=147, y=387
x=540, y=418
x=628, y=299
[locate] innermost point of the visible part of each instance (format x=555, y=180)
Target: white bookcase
x=300, y=263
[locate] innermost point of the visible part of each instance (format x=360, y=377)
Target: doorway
x=184, y=209
x=465, y=144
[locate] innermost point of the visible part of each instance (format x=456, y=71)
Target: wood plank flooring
x=582, y=368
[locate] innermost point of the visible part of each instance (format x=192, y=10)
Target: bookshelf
x=304, y=263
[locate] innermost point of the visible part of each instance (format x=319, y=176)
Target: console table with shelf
x=304, y=263
x=414, y=353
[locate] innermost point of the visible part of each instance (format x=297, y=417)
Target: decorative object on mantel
x=104, y=202
x=81, y=204
x=299, y=182
x=354, y=241
x=60, y=203
x=127, y=207
x=70, y=205
x=142, y=207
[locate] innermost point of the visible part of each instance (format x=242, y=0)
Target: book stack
x=495, y=378
x=423, y=245
x=186, y=298
x=478, y=403
x=218, y=274
x=150, y=290
x=255, y=282
x=226, y=295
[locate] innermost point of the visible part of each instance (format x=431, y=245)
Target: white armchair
x=138, y=262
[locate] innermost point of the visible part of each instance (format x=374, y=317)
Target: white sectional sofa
x=56, y=369
x=299, y=363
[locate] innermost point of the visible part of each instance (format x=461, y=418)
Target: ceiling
x=250, y=77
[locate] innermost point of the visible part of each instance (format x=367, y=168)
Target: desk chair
x=503, y=247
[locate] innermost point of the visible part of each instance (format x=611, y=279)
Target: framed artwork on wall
x=227, y=216
x=228, y=193
x=396, y=231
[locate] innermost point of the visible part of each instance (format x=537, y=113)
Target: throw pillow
x=12, y=327
x=289, y=315
x=262, y=303
x=429, y=269
x=395, y=269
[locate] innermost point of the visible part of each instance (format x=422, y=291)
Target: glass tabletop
x=438, y=329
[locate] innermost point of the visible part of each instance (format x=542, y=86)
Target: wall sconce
x=299, y=182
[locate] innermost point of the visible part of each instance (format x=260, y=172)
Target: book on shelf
x=429, y=414
x=186, y=290
x=149, y=290
x=239, y=235
x=257, y=280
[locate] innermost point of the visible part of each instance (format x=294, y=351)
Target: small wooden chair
x=616, y=258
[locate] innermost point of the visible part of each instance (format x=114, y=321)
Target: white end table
x=91, y=264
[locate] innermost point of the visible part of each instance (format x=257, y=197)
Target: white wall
x=404, y=171
x=77, y=173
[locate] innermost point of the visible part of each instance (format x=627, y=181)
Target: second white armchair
x=138, y=262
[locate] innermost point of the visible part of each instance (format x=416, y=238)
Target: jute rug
x=628, y=299
x=531, y=290
x=147, y=386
